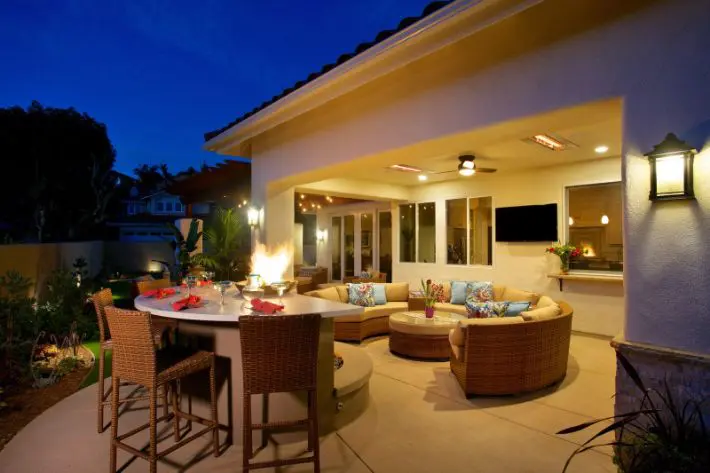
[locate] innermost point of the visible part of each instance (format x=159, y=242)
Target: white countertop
x=212, y=311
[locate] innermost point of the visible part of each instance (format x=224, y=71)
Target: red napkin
x=268, y=308
x=160, y=293
x=187, y=303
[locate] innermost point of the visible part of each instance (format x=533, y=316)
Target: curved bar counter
x=215, y=327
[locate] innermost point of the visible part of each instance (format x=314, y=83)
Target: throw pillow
x=481, y=291
x=484, y=310
x=458, y=292
x=378, y=291
x=361, y=294
x=515, y=308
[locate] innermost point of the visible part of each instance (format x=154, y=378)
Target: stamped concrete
x=417, y=421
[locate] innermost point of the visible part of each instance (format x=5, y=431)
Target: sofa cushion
x=329, y=293
x=446, y=286
x=342, y=292
x=498, y=292
x=361, y=294
x=379, y=293
x=449, y=307
x=545, y=301
x=397, y=291
x=512, y=294
x=456, y=336
x=456, y=348
x=543, y=313
x=384, y=310
x=485, y=309
x=491, y=321
x=515, y=308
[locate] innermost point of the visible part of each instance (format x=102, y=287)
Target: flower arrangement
x=565, y=252
x=433, y=293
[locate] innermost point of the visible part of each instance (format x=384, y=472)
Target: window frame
x=468, y=198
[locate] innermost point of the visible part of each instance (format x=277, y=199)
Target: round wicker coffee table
x=413, y=335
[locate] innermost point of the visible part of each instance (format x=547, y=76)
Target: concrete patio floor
x=417, y=422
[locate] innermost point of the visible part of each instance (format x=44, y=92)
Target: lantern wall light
x=671, y=169
x=321, y=235
x=253, y=215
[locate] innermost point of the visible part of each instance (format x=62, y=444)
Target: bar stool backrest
x=102, y=299
x=133, y=346
x=151, y=284
x=279, y=353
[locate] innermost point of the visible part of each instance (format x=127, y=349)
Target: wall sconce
x=253, y=217
x=671, y=169
x=321, y=235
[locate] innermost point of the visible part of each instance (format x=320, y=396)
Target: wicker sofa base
x=427, y=347
x=358, y=331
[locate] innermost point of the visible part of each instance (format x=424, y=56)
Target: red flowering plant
x=565, y=252
x=433, y=293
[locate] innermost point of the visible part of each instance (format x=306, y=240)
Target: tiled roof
x=362, y=47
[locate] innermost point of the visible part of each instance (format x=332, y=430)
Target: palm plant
x=226, y=243
x=185, y=246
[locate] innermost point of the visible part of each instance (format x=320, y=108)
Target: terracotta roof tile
x=381, y=36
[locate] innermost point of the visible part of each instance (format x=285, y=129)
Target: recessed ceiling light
x=405, y=168
x=423, y=177
x=548, y=142
x=601, y=149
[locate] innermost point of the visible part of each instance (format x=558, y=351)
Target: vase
x=564, y=265
x=429, y=312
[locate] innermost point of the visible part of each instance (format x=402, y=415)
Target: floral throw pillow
x=480, y=291
x=361, y=294
x=484, y=310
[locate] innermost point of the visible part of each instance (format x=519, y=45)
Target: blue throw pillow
x=379, y=292
x=458, y=292
x=515, y=308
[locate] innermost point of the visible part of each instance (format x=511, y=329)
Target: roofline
x=295, y=103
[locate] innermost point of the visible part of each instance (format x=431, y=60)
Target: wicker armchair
x=376, y=278
x=135, y=360
x=514, y=358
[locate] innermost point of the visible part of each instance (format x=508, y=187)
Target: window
x=427, y=232
x=469, y=231
x=480, y=224
x=169, y=206
x=407, y=234
x=159, y=207
x=594, y=225
x=178, y=207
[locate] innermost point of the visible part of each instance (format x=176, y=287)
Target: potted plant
x=433, y=293
x=565, y=252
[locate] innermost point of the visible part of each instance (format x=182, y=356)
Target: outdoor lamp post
x=671, y=169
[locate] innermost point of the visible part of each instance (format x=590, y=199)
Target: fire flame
x=271, y=265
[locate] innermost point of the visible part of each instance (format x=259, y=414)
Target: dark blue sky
x=160, y=73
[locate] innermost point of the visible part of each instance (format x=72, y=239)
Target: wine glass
x=222, y=287
x=280, y=288
x=190, y=281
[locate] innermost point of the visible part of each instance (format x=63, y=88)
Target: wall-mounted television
x=527, y=223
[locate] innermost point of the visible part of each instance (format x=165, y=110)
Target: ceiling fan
x=467, y=166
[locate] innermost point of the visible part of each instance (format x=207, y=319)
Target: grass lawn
x=94, y=374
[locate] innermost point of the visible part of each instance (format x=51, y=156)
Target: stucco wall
x=655, y=58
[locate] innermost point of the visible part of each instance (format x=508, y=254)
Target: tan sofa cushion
x=456, y=336
x=342, y=292
x=544, y=302
x=543, y=313
x=448, y=307
x=329, y=293
x=492, y=321
x=397, y=291
x=516, y=295
x=384, y=310
x=456, y=348
x=498, y=292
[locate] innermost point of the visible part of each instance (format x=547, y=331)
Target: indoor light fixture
x=605, y=219
x=321, y=235
x=548, y=142
x=671, y=169
x=253, y=217
x=405, y=168
x=423, y=177
x=571, y=221
x=601, y=149
x=466, y=165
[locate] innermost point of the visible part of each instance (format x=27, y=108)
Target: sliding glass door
x=360, y=242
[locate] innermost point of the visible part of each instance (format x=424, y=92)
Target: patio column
x=667, y=285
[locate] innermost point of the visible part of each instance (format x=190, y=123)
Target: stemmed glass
x=222, y=287
x=280, y=288
x=191, y=282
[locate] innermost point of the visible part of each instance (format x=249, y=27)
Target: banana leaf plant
x=184, y=246
x=663, y=435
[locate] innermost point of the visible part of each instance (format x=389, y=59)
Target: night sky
x=160, y=73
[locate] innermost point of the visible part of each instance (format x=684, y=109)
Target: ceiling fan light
x=466, y=172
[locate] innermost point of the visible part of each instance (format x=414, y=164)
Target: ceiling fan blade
x=485, y=170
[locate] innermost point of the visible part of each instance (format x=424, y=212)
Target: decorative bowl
x=268, y=290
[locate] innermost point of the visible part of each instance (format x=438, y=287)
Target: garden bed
x=26, y=402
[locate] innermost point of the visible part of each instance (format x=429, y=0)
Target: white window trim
x=468, y=198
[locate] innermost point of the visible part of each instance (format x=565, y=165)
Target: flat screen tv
x=527, y=223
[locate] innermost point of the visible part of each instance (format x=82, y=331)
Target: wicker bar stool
x=136, y=360
x=159, y=324
x=280, y=354
x=101, y=300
